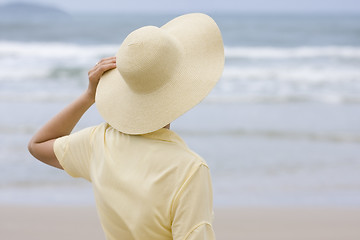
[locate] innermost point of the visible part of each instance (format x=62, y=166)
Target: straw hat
x=161, y=73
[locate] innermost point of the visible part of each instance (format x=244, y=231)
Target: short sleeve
x=193, y=208
x=74, y=153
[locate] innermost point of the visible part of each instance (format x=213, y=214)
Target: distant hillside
x=30, y=11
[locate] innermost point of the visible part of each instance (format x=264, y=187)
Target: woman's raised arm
x=41, y=144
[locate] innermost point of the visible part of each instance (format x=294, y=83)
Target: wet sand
x=253, y=223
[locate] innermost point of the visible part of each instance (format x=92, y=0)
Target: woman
x=147, y=183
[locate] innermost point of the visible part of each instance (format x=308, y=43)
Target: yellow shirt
x=146, y=187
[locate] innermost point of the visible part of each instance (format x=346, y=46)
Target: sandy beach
x=253, y=223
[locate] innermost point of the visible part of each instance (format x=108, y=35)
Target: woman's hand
x=97, y=71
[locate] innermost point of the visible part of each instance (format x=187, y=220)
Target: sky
x=272, y=6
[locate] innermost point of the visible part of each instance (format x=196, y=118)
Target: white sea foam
x=54, y=50
x=251, y=74
x=293, y=52
x=76, y=51
x=21, y=61
x=302, y=74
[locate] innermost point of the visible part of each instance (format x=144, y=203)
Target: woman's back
x=145, y=186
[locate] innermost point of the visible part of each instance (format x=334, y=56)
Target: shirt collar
x=165, y=134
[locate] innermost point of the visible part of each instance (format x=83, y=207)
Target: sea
x=281, y=128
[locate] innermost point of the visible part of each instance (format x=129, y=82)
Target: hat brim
x=201, y=68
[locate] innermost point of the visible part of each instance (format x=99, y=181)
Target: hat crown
x=148, y=58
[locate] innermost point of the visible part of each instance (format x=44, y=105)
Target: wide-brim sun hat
x=161, y=73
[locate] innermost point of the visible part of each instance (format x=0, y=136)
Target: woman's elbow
x=35, y=150
x=44, y=152
x=30, y=147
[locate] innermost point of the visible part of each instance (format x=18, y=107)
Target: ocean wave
x=293, y=52
x=59, y=50
x=55, y=50
x=304, y=73
x=22, y=61
x=279, y=76
x=280, y=99
x=289, y=84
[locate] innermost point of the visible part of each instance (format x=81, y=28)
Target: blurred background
x=281, y=128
